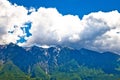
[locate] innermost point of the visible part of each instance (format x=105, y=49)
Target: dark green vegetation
x=57, y=63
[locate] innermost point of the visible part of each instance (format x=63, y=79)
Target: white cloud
x=103, y=28
x=51, y=27
x=10, y=16
x=98, y=31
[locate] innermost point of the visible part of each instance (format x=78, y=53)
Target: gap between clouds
x=98, y=31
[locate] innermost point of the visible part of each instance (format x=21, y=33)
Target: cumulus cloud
x=104, y=30
x=12, y=17
x=97, y=31
x=51, y=27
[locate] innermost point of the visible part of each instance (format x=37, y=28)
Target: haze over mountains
x=57, y=63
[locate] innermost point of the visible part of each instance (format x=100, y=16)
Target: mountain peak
x=12, y=44
x=58, y=58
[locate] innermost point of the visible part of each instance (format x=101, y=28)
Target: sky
x=73, y=23
x=74, y=7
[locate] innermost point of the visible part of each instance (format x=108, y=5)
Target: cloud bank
x=98, y=31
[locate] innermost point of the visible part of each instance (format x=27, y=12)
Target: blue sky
x=74, y=23
x=74, y=7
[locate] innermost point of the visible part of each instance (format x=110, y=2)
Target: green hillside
x=11, y=72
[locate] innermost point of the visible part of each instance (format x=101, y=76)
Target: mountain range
x=57, y=63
